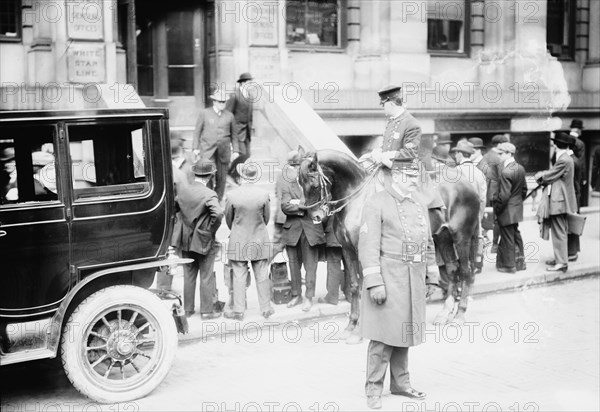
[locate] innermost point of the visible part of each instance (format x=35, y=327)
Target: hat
x=499, y=138
x=406, y=165
x=476, y=142
x=204, y=167
x=244, y=77
x=507, y=148
x=576, y=124
x=7, y=154
x=441, y=142
x=294, y=158
x=563, y=138
x=41, y=158
x=219, y=95
x=463, y=147
x=248, y=170
x=389, y=92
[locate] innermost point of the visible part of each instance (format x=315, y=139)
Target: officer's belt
x=412, y=258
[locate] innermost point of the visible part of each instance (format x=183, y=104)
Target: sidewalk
x=489, y=281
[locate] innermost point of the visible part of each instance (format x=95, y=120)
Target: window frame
x=570, y=56
x=18, y=17
x=342, y=34
x=466, y=52
x=118, y=191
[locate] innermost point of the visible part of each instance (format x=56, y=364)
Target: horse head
x=316, y=187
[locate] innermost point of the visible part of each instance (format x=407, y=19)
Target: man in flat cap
x=214, y=138
x=508, y=208
x=559, y=188
x=398, y=259
x=240, y=104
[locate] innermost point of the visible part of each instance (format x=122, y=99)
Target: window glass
x=145, y=56
x=314, y=23
x=560, y=35
x=10, y=19
x=108, y=160
x=447, y=23
x=27, y=165
x=180, y=52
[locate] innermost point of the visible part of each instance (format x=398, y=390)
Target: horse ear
x=301, y=152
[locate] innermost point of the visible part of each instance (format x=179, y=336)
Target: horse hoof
x=441, y=319
x=353, y=339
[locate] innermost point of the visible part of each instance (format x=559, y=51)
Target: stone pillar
x=41, y=68
x=229, y=18
x=499, y=43
x=591, y=70
x=371, y=71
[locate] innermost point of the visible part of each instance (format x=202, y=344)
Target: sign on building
x=86, y=63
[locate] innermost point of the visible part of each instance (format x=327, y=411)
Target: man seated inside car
x=44, y=179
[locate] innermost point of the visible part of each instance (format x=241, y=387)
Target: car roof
x=92, y=114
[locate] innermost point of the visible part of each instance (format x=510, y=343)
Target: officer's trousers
x=379, y=355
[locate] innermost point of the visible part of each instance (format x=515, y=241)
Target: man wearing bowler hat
x=478, y=146
x=214, y=138
x=240, y=105
x=201, y=216
x=398, y=259
x=559, y=188
x=579, y=151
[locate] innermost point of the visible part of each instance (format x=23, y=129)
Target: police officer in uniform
x=399, y=268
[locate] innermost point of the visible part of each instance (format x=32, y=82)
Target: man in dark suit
x=201, y=216
x=214, y=138
x=302, y=238
x=335, y=274
x=579, y=149
x=508, y=208
x=489, y=165
x=561, y=200
x=247, y=213
x=240, y=104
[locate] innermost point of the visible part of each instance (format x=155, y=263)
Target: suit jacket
x=200, y=216
x=287, y=174
x=331, y=239
x=241, y=108
x=297, y=221
x=215, y=134
x=490, y=166
x=560, y=187
x=247, y=213
x=513, y=189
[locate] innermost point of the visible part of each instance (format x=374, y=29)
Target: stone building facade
x=467, y=67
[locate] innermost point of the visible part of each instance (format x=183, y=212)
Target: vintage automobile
x=86, y=214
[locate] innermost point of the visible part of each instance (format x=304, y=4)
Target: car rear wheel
x=119, y=344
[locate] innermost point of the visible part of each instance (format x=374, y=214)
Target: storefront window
x=560, y=28
x=10, y=20
x=313, y=23
x=448, y=26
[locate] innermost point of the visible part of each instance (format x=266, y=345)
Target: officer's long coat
x=395, y=229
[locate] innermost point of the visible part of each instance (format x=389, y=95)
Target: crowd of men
x=395, y=285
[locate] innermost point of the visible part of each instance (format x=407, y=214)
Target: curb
x=220, y=327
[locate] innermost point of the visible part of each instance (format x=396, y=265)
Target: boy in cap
x=399, y=267
x=240, y=105
x=214, y=138
x=508, y=208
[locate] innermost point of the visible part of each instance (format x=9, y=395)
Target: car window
x=108, y=160
x=27, y=165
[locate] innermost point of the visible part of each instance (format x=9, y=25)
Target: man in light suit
x=247, y=213
x=240, y=104
x=561, y=192
x=214, y=138
x=201, y=216
x=508, y=207
x=302, y=238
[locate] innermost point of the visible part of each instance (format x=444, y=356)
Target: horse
x=336, y=185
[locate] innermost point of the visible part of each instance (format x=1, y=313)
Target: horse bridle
x=325, y=203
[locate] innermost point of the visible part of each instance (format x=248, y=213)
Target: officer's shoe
x=374, y=402
x=410, y=393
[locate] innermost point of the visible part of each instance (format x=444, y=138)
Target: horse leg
x=353, y=287
x=446, y=312
x=467, y=247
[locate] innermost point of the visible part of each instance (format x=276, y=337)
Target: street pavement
x=531, y=349
x=537, y=251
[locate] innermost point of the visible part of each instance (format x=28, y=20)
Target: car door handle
x=2, y=233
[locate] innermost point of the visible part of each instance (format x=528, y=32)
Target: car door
x=34, y=234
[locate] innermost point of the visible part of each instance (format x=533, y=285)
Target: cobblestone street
x=535, y=349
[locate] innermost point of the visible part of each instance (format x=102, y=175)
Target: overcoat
x=241, y=108
x=402, y=135
x=215, y=134
x=297, y=219
x=247, y=213
x=560, y=187
x=513, y=189
x=490, y=166
x=395, y=249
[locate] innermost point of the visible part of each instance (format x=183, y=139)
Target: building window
x=145, y=57
x=180, y=53
x=313, y=23
x=560, y=28
x=448, y=27
x=10, y=20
